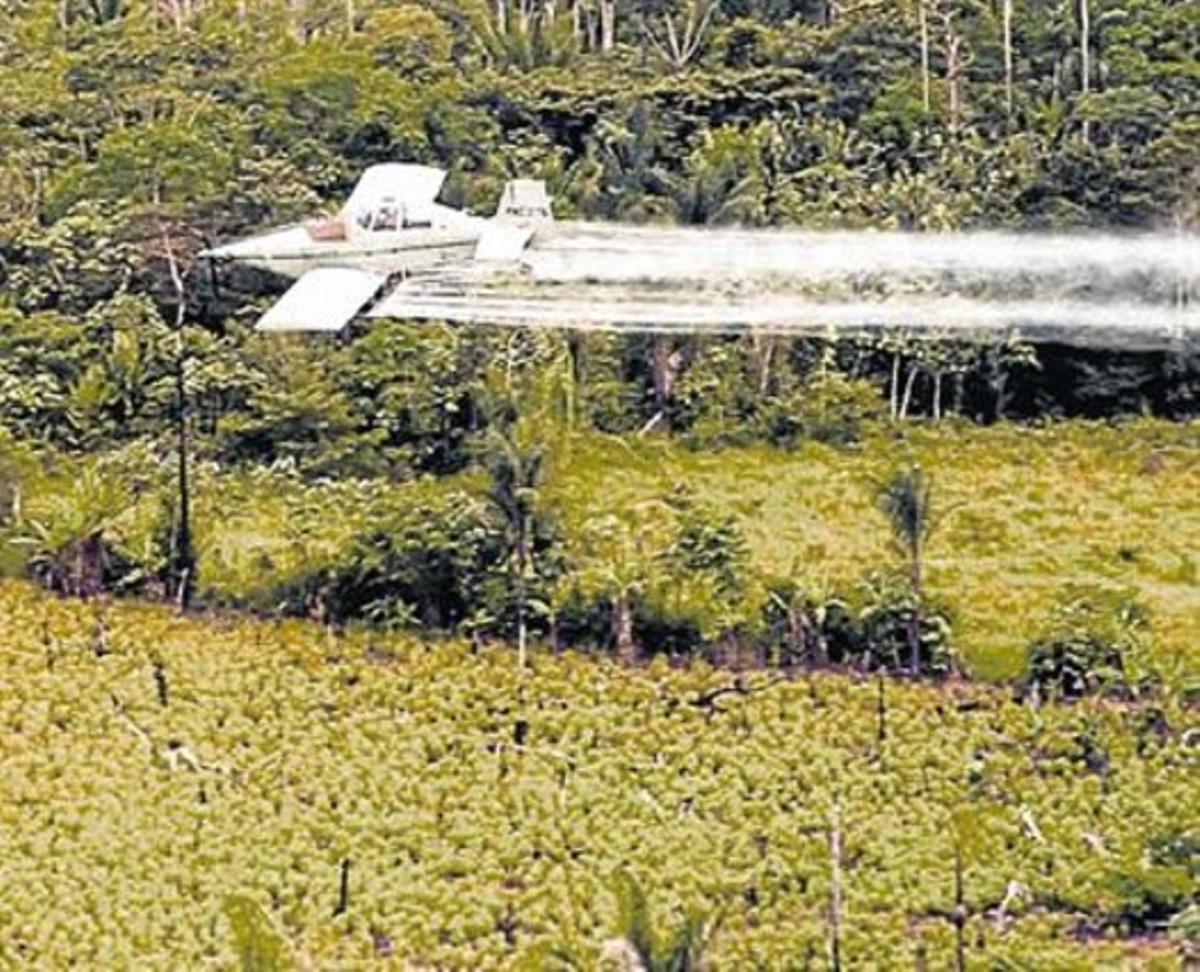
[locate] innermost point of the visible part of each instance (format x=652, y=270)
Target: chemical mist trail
x=1135, y=292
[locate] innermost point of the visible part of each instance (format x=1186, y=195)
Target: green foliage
x=906, y=499
x=867, y=628
x=707, y=542
x=1092, y=643
x=259, y=946
x=465, y=789
x=428, y=563
x=74, y=546
x=682, y=950
x=828, y=407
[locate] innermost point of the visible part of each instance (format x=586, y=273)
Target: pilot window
x=387, y=217
x=390, y=216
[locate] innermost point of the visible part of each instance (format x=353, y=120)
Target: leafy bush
x=1149, y=896
x=424, y=565
x=658, y=627
x=803, y=627
x=76, y=545
x=889, y=609
x=1088, y=646
x=708, y=542
x=829, y=407
x=869, y=628
x=439, y=564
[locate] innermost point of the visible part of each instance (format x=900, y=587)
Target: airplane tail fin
x=523, y=206
x=525, y=200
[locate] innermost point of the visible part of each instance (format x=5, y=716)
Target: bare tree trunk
x=522, y=637
x=1085, y=67
x=525, y=567
x=937, y=395
x=608, y=25
x=881, y=714
x=906, y=401
x=894, y=388
x=350, y=16
x=835, y=892
x=960, y=915
x=1008, y=59
x=764, y=351
x=924, y=18
x=914, y=620
x=953, y=71
x=622, y=629
x=665, y=365
x=184, y=565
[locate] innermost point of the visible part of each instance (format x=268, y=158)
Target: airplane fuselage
x=293, y=251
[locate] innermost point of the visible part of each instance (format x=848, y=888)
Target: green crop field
x=155, y=766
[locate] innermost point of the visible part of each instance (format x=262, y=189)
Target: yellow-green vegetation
x=176, y=788
x=1024, y=512
x=1022, y=515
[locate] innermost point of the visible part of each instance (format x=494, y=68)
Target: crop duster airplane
x=394, y=251
x=389, y=228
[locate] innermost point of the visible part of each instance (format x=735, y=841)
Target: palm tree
x=638, y=948
x=907, y=501
x=516, y=473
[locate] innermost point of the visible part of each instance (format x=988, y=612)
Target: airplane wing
x=325, y=299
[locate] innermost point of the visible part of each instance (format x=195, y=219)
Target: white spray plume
x=1135, y=291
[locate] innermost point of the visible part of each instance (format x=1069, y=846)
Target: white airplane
x=394, y=252
x=390, y=227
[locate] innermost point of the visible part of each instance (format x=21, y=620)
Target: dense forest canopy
x=133, y=132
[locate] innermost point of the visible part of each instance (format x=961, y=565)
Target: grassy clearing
x=1026, y=512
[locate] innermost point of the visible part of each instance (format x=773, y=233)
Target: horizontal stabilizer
x=502, y=241
x=325, y=299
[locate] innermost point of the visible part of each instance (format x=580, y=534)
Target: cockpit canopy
x=394, y=196
x=391, y=215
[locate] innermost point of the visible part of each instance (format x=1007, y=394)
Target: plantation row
x=179, y=792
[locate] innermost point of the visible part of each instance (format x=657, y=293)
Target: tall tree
x=907, y=501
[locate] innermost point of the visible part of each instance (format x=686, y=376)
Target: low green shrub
x=439, y=564
x=868, y=628
x=1090, y=644
x=94, y=538
x=829, y=407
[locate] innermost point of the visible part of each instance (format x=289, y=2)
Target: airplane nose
x=216, y=253
x=287, y=241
